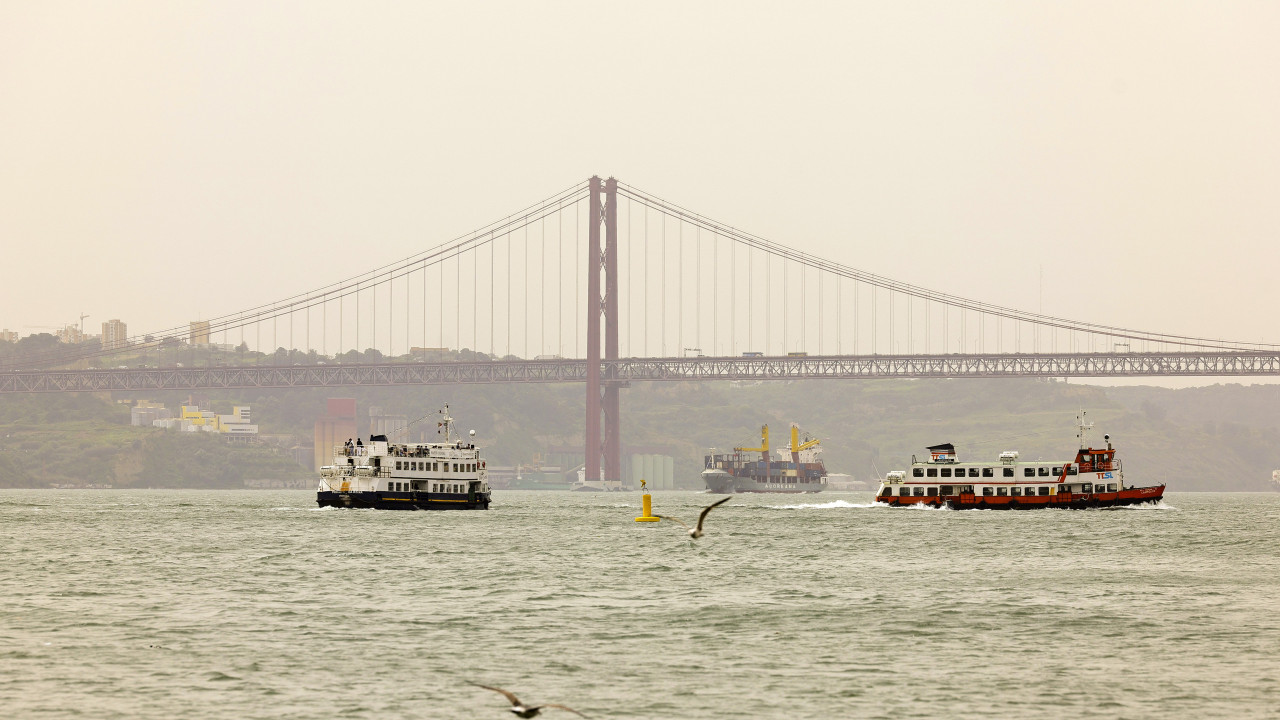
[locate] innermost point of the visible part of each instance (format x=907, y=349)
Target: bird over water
x=519, y=709
x=695, y=533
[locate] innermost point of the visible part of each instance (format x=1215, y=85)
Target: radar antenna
x=1082, y=421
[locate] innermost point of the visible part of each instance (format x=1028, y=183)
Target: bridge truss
x=626, y=370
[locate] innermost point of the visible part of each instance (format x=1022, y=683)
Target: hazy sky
x=165, y=161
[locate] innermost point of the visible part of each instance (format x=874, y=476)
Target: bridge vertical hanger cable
x=508, y=283
x=577, y=278
x=560, y=280
x=697, y=303
x=680, y=287
x=542, y=285
x=524, y=330
x=786, y=308
x=408, y=313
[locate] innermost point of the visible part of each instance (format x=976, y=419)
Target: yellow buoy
x=648, y=516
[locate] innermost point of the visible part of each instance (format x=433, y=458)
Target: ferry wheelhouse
x=386, y=475
x=1095, y=478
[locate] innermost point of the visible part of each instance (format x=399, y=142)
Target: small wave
x=833, y=505
x=1146, y=506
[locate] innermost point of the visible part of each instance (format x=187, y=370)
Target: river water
x=256, y=604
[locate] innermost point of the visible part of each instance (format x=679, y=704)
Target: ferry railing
x=357, y=451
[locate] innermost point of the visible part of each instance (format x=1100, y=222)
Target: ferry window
x=988, y=472
x=1071, y=469
x=1008, y=472
x=933, y=491
x=1029, y=472
x=435, y=467
x=917, y=472
x=1111, y=487
x=886, y=492
x=973, y=472
x=455, y=467
x=397, y=464
x=948, y=490
x=1057, y=471
x=987, y=491
x=1015, y=491
x=932, y=472
x=946, y=472
x=1002, y=491
x=1087, y=488
x=1044, y=472
x=919, y=492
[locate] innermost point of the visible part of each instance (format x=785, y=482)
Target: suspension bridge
x=606, y=284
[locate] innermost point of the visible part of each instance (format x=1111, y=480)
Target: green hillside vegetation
x=1222, y=437
x=86, y=439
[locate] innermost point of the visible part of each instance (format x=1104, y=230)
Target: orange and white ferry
x=1094, y=479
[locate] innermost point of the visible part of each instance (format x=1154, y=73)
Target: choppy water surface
x=164, y=604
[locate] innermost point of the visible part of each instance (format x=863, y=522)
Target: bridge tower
x=603, y=426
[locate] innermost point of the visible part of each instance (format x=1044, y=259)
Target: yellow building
x=199, y=334
x=115, y=335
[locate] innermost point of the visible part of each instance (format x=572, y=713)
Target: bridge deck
x=1223, y=364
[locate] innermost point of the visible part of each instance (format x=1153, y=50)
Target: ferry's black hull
x=402, y=500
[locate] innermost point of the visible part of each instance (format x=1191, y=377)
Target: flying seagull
x=526, y=711
x=695, y=533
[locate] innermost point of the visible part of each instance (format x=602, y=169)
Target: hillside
x=1222, y=437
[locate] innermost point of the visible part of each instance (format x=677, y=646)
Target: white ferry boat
x=385, y=475
x=1095, y=478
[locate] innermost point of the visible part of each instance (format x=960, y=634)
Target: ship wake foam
x=833, y=505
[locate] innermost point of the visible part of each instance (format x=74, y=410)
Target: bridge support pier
x=603, y=398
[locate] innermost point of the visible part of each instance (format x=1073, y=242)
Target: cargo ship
x=1094, y=479
x=798, y=469
x=386, y=475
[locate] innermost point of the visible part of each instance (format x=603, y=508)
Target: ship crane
x=797, y=446
x=764, y=445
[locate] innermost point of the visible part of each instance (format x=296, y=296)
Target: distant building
x=238, y=423
x=115, y=335
x=71, y=334
x=334, y=428
x=199, y=334
x=7, y=335
x=429, y=353
x=146, y=413
x=381, y=423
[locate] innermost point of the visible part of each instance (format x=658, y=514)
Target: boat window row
x=1016, y=491
x=414, y=466
x=435, y=487
x=986, y=472
x=990, y=491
